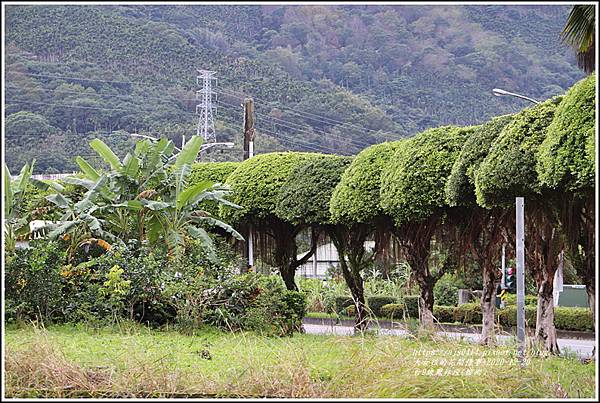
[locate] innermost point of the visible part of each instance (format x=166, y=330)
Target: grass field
x=133, y=361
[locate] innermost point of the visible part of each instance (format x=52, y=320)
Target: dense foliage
x=509, y=169
x=567, y=154
x=256, y=182
x=356, y=197
x=304, y=199
x=413, y=182
x=340, y=76
x=460, y=186
x=216, y=172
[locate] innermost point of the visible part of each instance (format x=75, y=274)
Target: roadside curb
x=469, y=329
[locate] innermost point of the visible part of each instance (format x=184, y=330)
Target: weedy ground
x=134, y=361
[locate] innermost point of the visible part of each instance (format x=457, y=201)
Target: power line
x=322, y=119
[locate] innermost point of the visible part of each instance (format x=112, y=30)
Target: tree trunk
x=355, y=284
x=488, y=304
x=288, y=273
x=545, y=331
x=591, y=292
x=426, y=303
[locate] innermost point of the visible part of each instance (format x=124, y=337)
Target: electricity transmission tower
x=204, y=109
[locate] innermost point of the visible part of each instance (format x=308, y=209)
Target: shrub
x=573, y=318
x=511, y=299
x=445, y=291
x=411, y=303
x=375, y=303
x=393, y=311
x=508, y=316
x=444, y=314
x=33, y=281
x=342, y=302
x=468, y=313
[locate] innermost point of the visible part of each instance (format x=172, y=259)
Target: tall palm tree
x=579, y=32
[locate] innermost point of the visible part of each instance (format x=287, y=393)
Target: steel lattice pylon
x=205, y=108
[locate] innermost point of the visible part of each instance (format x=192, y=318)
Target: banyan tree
x=255, y=186
x=483, y=229
x=356, y=214
x=412, y=193
x=566, y=164
x=509, y=171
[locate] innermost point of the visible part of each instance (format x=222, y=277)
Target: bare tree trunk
x=355, y=284
x=488, y=304
x=591, y=292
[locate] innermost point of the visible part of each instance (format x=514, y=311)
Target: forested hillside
x=324, y=78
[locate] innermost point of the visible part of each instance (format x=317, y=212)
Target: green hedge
x=565, y=318
x=511, y=299
x=376, y=303
x=411, y=306
x=393, y=311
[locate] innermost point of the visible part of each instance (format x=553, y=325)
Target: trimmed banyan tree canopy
x=509, y=170
x=567, y=158
x=256, y=182
x=412, y=183
x=213, y=171
x=356, y=197
x=305, y=198
x=460, y=187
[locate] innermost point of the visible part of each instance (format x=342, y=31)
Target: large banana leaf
x=61, y=228
x=193, y=192
x=131, y=165
x=47, y=185
x=218, y=223
x=8, y=192
x=59, y=200
x=189, y=152
x=206, y=240
x=87, y=169
x=106, y=153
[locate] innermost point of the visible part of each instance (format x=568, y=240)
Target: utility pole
x=249, y=153
x=205, y=108
x=520, y=248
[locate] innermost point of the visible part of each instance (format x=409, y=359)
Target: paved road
x=583, y=348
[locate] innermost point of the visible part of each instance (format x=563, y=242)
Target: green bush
x=573, y=318
x=393, y=311
x=508, y=316
x=375, y=303
x=342, y=302
x=33, y=282
x=467, y=313
x=511, y=299
x=411, y=304
x=445, y=290
x=444, y=314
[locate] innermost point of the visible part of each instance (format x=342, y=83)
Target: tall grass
x=66, y=361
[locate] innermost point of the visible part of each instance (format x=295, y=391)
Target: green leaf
x=155, y=205
x=61, y=228
x=218, y=223
x=86, y=183
x=206, y=240
x=189, y=152
x=87, y=169
x=106, y=153
x=59, y=200
x=192, y=192
x=45, y=185
x=8, y=192
x=132, y=166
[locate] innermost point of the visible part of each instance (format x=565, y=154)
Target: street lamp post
x=500, y=93
x=203, y=147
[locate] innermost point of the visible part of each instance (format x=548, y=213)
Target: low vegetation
x=135, y=361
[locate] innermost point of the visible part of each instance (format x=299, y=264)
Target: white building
x=326, y=256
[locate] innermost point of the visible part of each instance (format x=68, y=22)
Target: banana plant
x=16, y=219
x=147, y=194
x=79, y=223
x=176, y=217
